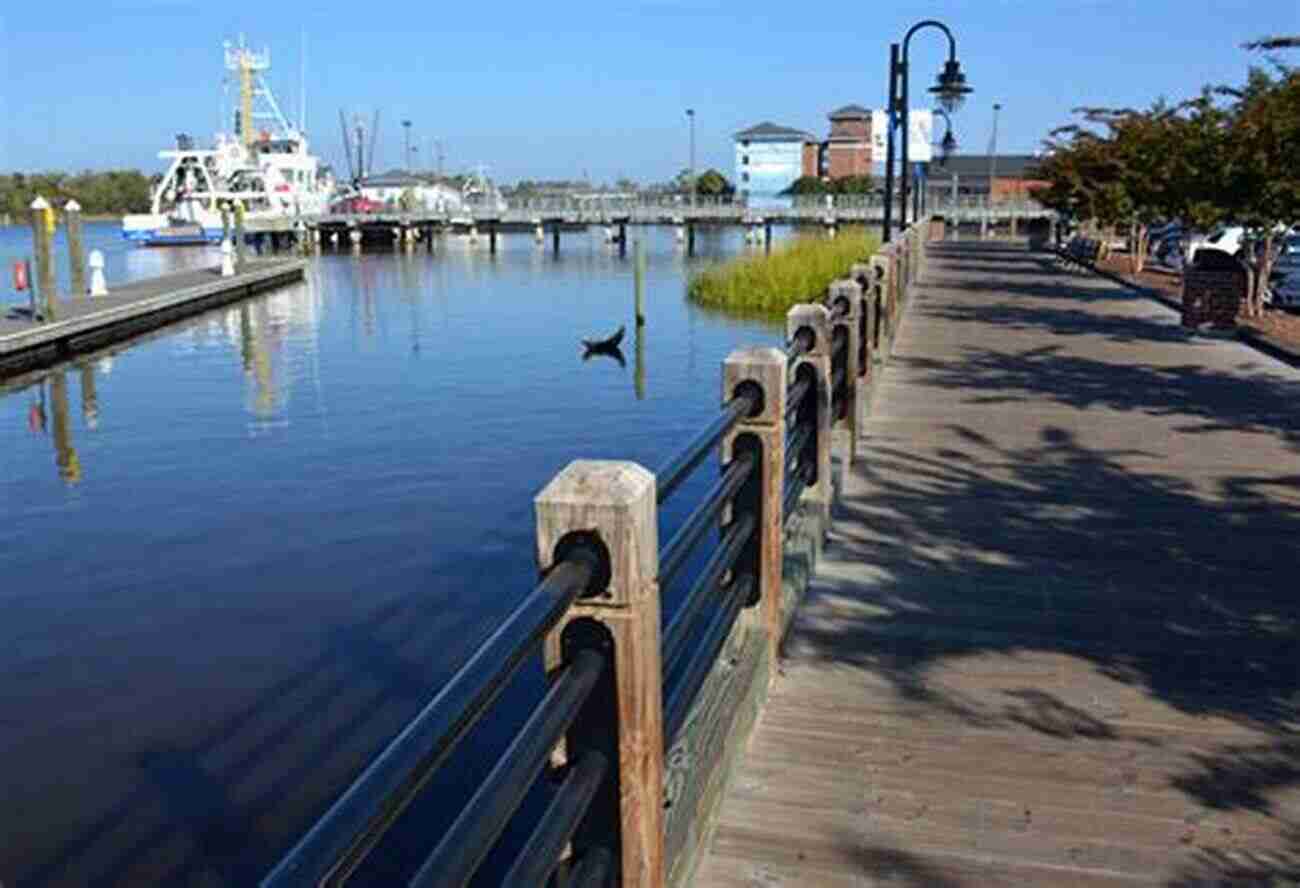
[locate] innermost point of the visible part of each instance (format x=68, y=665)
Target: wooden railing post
x=763, y=372
x=864, y=273
x=817, y=318
x=845, y=299
x=611, y=506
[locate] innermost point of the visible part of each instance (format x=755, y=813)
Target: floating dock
x=88, y=322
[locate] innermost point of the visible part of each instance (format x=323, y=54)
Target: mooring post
x=42, y=242
x=610, y=506
x=492, y=238
x=555, y=238
x=98, y=286
x=638, y=281
x=845, y=303
x=817, y=361
x=76, y=248
x=767, y=236
x=690, y=238
x=239, y=235
x=762, y=373
x=622, y=238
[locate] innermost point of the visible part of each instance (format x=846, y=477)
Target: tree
x=807, y=185
x=712, y=183
x=854, y=185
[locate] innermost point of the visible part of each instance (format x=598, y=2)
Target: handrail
x=353, y=824
x=679, y=467
x=678, y=628
x=541, y=853
x=678, y=701
x=673, y=556
x=481, y=822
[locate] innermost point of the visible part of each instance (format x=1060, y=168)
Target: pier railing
x=644, y=711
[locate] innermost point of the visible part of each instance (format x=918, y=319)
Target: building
x=770, y=157
x=422, y=193
x=967, y=175
x=848, y=147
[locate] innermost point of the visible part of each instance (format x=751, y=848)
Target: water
x=239, y=554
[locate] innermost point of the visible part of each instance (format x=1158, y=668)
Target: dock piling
x=638, y=282
x=76, y=248
x=42, y=231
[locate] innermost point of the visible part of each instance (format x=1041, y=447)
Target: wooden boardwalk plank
x=1055, y=637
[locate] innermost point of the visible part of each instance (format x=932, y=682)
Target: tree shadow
x=1253, y=399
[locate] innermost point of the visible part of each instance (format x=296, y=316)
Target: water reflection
x=639, y=373
x=65, y=455
x=89, y=396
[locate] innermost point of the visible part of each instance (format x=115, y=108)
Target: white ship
x=266, y=166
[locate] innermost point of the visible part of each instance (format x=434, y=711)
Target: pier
x=89, y=322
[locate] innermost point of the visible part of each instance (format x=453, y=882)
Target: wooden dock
x=1053, y=638
x=86, y=322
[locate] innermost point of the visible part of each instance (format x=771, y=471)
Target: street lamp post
x=406, y=133
x=690, y=116
x=950, y=89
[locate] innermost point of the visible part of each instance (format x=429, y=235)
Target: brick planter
x=1213, y=296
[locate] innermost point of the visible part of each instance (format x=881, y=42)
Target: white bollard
x=98, y=287
x=227, y=259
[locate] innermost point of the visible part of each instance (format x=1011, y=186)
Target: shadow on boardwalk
x=1172, y=569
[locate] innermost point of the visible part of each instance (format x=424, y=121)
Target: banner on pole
x=920, y=133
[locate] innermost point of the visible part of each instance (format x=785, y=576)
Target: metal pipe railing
x=354, y=823
x=673, y=556
x=679, y=467
x=724, y=556
x=458, y=855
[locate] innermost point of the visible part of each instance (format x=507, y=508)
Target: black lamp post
x=950, y=90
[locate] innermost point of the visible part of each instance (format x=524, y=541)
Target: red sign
x=20, y=275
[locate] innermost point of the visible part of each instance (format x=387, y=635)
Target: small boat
x=608, y=344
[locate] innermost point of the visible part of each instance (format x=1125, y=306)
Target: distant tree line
x=108, y=192
x=842, y=185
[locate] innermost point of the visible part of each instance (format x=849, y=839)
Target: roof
x=392, y=179
x=771, y=132
x=850, y=112
x=1009, y=166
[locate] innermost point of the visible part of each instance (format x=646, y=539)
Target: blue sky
x=553, y=89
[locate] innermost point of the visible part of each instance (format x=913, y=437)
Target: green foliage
x=799, y=271
x=844, y=185
x=807, y=185
x=712, y=183
x=112, y=192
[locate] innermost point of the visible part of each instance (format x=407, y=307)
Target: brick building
x=968, y=176
x=847, y=150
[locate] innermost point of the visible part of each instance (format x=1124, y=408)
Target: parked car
x=1228, y=238
x=355, y=204
x=1284, y=282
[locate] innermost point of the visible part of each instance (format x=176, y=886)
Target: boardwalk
x=1054, y=637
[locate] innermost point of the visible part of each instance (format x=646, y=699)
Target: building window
x=744, y=177
x=745, y=159
x=744, y=143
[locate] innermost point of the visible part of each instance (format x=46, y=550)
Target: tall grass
x=798, y=271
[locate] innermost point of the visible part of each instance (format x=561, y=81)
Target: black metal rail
x=353, y=825
x=678, y=468
x=462, y=848
x=673, y=555
x=677, y=631
x=677, y=702
x=541, y=853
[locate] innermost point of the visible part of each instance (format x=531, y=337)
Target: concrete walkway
x=1053, y=640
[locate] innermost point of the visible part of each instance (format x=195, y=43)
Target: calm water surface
x=237, y=555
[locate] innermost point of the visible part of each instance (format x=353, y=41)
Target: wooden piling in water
x=42, y=243
x=638, y=275
x=76, y=248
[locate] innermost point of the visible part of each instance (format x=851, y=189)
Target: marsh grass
x=798, y=271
